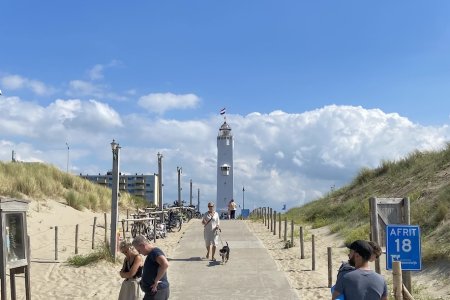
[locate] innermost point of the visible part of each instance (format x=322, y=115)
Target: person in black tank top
x=131, y=271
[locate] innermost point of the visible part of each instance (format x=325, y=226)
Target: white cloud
x=81, y=88
x=96, y=72
x=17, y=82
x=161, y=102
x=279, y=157
x=84, y=88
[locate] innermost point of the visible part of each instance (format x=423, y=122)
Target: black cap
x=362, y=247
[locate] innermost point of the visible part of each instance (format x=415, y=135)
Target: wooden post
x=292, y=233
x=123, y=229
x=375, y=234
x=127, y=222
x=274, y=223
x=268, y=217
x=302, y=248
x=12, y=282
x=285, y=229
x=154, y=229
x=27, y=272
x=313, y=254
x=397, y=280
x=406, y=275
x=406, y=294
x=76, y=239
x=264, y=215
x=271, y=220
x=93, y=232
x=330, y=267
x=279, y=225
x=56, y=242
x=106, y=230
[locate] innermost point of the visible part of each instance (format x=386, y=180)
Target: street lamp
x=179, y=171
x=114, y=200
x=68, y=151
x=160, y=182
x=243, y=199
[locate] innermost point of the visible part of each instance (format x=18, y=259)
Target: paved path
x=251, y=273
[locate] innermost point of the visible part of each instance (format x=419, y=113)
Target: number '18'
x=405, y=245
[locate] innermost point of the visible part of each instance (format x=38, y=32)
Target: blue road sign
x=403, y=244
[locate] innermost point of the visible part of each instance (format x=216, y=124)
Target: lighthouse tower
x=224, y=167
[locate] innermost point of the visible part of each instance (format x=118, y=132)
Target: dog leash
x=220, y=237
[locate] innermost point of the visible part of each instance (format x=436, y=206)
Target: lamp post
x=179, y=171
x=198, y=200
x=114, y=200
x=243, y=199
x=68, y=151
x=160, y=181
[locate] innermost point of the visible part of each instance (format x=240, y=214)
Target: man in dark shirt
x=154, y=281
x=362, y=283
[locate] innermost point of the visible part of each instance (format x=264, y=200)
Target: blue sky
x=314, y=90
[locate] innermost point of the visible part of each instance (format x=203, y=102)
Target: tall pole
x=179, y=169
x=190, y=193
x=160, y=181
x=198, y=200
x=243, y=199
x=68, y=150
x=114, y=201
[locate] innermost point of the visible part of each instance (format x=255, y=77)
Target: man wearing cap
x=362, y=283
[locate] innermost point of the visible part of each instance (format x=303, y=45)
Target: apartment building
x=144, y=186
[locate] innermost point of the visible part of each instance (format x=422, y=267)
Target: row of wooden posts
x=94, y=226
x=124, y=229
x=76, y=236
x=269, y=218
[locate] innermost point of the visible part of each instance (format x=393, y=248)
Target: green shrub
x=100, y=253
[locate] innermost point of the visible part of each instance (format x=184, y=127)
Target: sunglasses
x=210, y=206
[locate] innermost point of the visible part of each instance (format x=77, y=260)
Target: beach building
x=144, y=186
x=225, y=145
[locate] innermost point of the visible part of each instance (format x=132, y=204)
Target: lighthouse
x=225, y=145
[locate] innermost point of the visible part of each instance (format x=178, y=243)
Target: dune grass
x=100, y=253
x=424, y=177
x=41, y=181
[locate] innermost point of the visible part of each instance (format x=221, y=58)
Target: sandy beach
x=55, y=279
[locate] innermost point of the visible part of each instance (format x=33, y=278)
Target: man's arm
x=162, y=269
x=335, y=295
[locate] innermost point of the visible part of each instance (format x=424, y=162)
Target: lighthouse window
x=225, y=170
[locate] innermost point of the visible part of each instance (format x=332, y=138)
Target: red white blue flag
x=222, y=111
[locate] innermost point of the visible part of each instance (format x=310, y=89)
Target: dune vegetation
x=40, y=181
x=424, y=177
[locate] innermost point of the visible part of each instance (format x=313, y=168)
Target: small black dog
x=225, y=253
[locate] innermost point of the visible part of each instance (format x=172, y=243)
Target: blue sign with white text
x=403, y=244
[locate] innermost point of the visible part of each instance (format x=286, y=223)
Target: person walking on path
x=154, y=281
x=211, y=224
x=362, y=283
x=232, y=209
x=131, y=271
